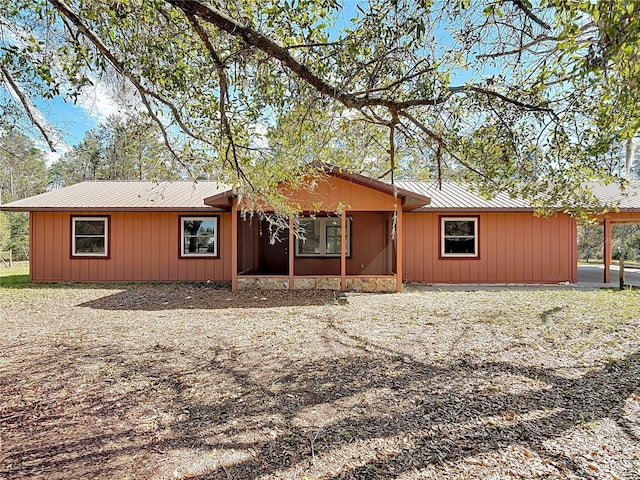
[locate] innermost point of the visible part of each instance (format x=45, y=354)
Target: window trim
x=323, y=238
x=216, y=236
x=454, y=218
x=107, y=236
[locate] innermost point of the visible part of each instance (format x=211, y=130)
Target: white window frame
x=323, y=221
x=204, y=218
x=443, y=237
x=74, y=252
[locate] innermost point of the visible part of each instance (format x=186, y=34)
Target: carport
x=620, y=206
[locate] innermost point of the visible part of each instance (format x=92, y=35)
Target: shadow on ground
x=99, y=411
x=203, y=296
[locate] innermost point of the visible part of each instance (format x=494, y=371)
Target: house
x=381, y=235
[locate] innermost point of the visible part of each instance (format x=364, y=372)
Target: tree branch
x=224, y=94
x=527, y=11
x=254, y=38
x=28, y=107
x=536, y=41
x=120, y=68
x=441, y=143
x=312, y=45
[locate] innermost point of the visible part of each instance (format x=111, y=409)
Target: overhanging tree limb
x=224, y=93
x=28, y=106
x=252, y=37
x=440, y=143
x=119, y=66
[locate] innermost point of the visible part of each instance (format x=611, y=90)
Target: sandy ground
x=186, y=381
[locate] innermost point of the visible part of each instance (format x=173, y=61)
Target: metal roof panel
x=122, y=195
x=457, y=196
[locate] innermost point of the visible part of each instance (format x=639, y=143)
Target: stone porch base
x=354, y=284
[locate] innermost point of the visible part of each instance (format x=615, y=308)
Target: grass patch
x=16, y=276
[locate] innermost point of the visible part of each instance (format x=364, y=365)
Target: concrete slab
x=593, y=275
x=589, y=277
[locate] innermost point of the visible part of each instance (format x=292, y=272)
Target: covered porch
x=364, y=258
x=347, y=236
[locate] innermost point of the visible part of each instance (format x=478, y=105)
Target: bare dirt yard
x=189, y=381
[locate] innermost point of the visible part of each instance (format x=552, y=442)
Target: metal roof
x=135, y=195
x=454, y=196
x=129, y=195
x=614, y=196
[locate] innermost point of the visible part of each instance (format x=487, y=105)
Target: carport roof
x=613, y=196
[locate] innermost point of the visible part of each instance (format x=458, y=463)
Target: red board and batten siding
x=144, y=247
x=514, y=248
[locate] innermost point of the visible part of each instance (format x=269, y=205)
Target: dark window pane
x=311, y=244
x=334, y=239
x=333, y=245
x=90, y=245
x=89, y=227
x=190, y=245
x=199, y=245
x=459, y=245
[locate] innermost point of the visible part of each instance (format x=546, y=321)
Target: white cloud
x=53, y=157
x=98, y=101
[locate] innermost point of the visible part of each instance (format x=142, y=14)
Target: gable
x=338, y=191
x=334, y=193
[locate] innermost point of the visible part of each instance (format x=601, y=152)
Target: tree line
x=120, y=148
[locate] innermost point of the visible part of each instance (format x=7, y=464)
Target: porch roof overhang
x=409, y=200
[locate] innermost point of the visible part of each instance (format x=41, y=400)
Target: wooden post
x=291, y=253
x=606, y=255
x=621, y=274
x=399, y=249
x=234, y=244
x=343, y=251
x=10, y=258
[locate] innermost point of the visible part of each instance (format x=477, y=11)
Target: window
x=89, y=236
x=199, y=236
x=459, y=237
x=323, y=237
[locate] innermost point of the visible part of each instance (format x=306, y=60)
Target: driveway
x=592, y=276
x=589, y=276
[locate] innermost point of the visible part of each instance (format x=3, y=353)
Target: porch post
x=399, y=249
x=292, y=246
x=606, y=255
x=343, y=251
x=234, y=244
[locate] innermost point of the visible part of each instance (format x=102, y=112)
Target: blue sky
x=71, y=121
